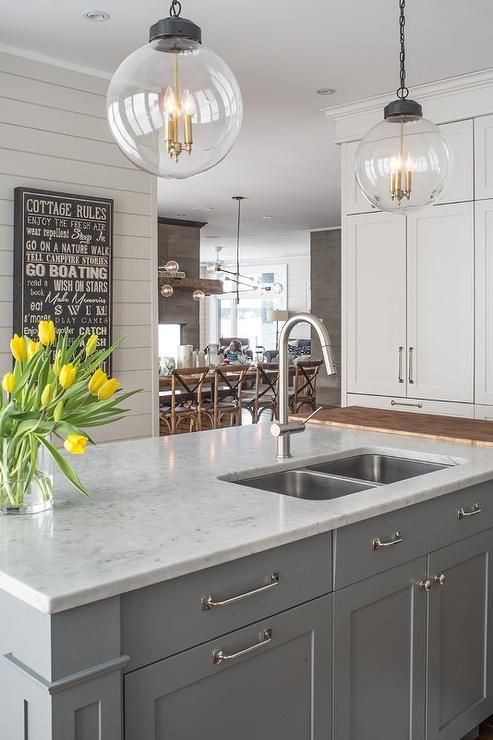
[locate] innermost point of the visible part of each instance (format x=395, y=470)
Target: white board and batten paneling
x=54, y=136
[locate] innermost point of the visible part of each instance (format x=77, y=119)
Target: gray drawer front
x=162, y=620
x=423, y=528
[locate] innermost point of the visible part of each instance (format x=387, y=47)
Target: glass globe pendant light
x=404, y=162
x=174, y=106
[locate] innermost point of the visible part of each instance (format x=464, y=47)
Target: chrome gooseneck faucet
x=282, y=429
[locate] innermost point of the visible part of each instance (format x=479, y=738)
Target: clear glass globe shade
x=277, y=288
x=141, y=96
x=391, y=152
x=198, y=295
x=172, y=266
x=166, y=291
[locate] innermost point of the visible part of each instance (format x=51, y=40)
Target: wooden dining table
x=165, y=381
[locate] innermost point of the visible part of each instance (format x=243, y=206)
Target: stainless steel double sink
x=341, y=477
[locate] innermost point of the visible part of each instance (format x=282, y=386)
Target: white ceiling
x=281, y=51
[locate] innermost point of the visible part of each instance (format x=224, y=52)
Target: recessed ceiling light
x=96, y=16
x=181, y=215
x=203, y=209
x=326, y=91
x=267, y=218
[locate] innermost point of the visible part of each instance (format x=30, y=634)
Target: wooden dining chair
x=228, y=386
x=305, y=385
x=188, y=402
x=264, y=395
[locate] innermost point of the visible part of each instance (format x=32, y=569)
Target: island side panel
x=63, y=672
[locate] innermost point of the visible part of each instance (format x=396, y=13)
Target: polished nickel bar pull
x=400, y=378
x=208, y=602
x=377, y=543
x=218, y=656
x=410, y=379
x=462, y=513
x=402, y=403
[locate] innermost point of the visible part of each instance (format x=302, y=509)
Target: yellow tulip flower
x=57, y=365
x=96, y=382
x=67, y=375
x=91, y=344
x=18, y=348
x=108, y=389
x=47, y=395
x=32, y=348
x=58, y=412
x=75, y=444
x=46, y=331
x=8, y=383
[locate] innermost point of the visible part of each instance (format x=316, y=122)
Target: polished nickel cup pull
x=208, y=602
x=425, y=584
x=462, y=513
x=219, y=656
x=440, y=579
x=377, y=543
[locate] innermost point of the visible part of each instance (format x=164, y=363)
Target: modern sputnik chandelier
x=403, y=162
x=174, y=106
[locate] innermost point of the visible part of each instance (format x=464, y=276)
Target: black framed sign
x=63, y=255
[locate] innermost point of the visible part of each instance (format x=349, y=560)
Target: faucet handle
x=312, y=414
x=290, y=427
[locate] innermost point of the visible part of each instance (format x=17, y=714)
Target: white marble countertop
x=157, y=509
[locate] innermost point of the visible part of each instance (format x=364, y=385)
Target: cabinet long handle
x=378, y=544
x=462, y=513
x=403, y=403
x=400, y=378
x=208, y=602
x=410, y=378
x=219, y=656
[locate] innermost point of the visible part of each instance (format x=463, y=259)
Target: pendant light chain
x=403, y=91
x=175, y=9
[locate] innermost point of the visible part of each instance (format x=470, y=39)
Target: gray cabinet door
x=380, y=656
x=279, y=690
x=460, y=657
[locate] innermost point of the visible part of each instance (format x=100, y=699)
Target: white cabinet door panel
x=440, y=324
x=484, y=302
x=460, y=139
x=376, y=303
x=416, y=405
x=483, y=156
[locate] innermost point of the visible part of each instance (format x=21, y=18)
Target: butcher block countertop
x=450, y=428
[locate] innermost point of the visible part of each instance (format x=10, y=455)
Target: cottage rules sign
x=63, y=250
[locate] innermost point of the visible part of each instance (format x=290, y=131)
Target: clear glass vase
x=24, y=490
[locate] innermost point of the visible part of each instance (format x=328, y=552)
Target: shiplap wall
x=54, y=135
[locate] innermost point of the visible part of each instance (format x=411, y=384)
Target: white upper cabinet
x=354, y=200
x=376, y=304
x=440, y=319
x=483, y=156
x=460, y=138
x=484, y=301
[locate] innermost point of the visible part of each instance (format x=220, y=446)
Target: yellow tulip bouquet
x=57, y=389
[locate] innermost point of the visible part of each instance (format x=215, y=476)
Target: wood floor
x=487, y=730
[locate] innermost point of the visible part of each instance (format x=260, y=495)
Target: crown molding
x=54, y=62
x=450, y=99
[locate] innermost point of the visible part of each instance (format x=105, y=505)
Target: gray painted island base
x=322, y=637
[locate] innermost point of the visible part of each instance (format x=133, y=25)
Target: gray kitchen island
x=176, y=604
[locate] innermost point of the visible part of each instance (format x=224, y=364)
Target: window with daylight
x=249, y=319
